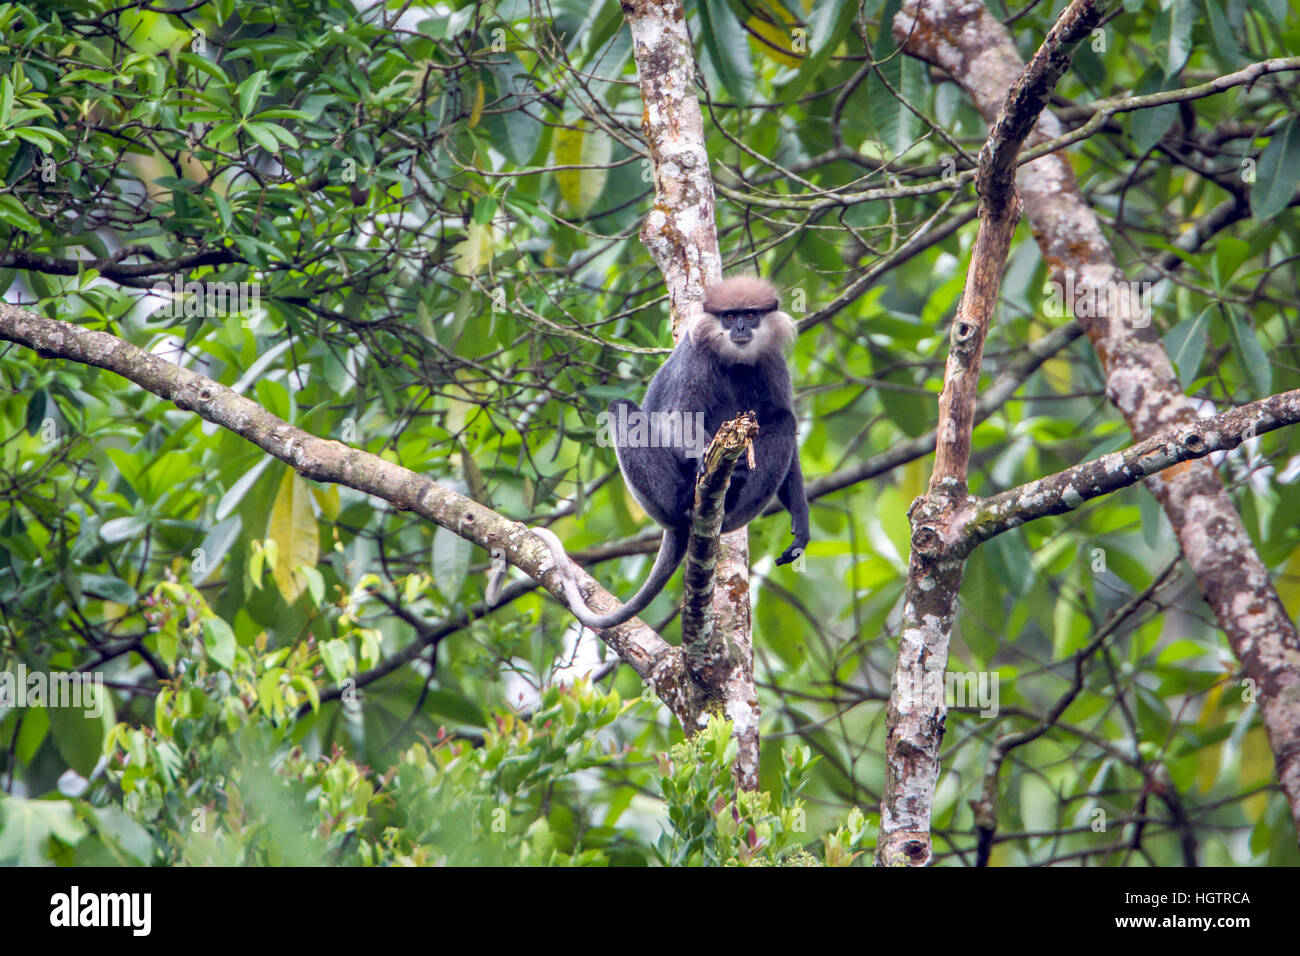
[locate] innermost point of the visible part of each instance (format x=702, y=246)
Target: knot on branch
x=927, y=541
x=965, y=335
x=1193, y=442
x=917, y=852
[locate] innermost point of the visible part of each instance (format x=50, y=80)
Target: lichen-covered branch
x=681, y=235
x=720, y=660
x=915, y=721
x=322, y=459
x=1068, y=489
x=964, y=38
x=680, y=232
x=702, y=643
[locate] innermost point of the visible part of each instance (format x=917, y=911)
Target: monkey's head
x=742, y=321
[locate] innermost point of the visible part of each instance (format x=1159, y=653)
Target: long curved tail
x=672, y=548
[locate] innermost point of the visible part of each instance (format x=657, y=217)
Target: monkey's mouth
x=742, y=338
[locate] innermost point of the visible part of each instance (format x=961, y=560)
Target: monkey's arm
x=672, y=548
x=794, y=498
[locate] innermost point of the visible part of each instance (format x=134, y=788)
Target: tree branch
x=681, y=235
x=915, y=722
x=320, y=459
x=1066, y=490
x=969, y=43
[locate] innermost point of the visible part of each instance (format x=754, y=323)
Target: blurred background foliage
x=437, y=210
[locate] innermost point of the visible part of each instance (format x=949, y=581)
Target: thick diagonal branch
x=1068, y=489
x=322, y=459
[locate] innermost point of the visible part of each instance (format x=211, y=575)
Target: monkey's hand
x=794, y=552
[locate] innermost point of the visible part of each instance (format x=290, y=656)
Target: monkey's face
x=741, y=325
x=744, y=335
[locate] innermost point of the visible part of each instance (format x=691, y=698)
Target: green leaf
x=1147, y=127
x=40, y=137
x=1226, y=49
x=13, y=212
x=77, y=734
x=1249, y=352
x=216, y=545
x=1228, y=257
x=248, y=90
x=89, y=76
x=1278, y=173
x=729, y=58
x=282, y=134
x=36, y=726
x=828, y=21
x=109, y=587
x=123, y=529
x=126, y=835
x=1171, y=35
x=203, y=64
x=219, y=640
x=263, y=135
x=338, y=660
x=444, y=703
x=451, y=554
x=27, y=825
x=1185, y=343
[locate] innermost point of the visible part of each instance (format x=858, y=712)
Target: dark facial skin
x=741, y=324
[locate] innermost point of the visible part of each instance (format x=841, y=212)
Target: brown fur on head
x=743, y=293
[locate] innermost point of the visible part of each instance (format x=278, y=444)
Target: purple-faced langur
x=731, y=360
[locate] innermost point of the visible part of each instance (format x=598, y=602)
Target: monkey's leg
x=653, y=473
x=795, y=499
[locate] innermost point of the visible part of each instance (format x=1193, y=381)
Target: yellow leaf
x=293, y=529
x=114, y=616
x=914, y=480
x=327, y=499
x=475, y=251
x=1210, y=759
x=1056, y=371
x=580, y=188
x=776, y=41
x=462, y=411
x=476, y=113
x=1256, y=769
x=1288, y=585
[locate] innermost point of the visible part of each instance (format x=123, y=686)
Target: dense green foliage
x=296, y=672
